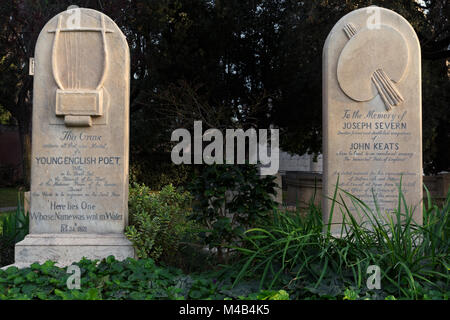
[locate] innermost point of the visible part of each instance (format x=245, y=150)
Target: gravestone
x=372, y=112
x=79, y=169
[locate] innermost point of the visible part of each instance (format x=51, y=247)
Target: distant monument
x=372, y=112
x=79, y=171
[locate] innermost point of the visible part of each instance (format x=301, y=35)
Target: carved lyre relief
x=373, y=62
x=78, y=72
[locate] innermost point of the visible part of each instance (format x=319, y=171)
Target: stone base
x=68, y=248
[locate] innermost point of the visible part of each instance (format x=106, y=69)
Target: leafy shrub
x=156, y=170
x=112, y=279
x=158, y=221
x=229, y=199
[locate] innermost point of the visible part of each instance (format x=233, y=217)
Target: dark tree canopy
x=229, y=63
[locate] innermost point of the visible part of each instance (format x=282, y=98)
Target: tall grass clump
x=14, y=227
x=293, y=251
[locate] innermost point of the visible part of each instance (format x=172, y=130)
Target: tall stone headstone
x=79, y=170
x=372, y=112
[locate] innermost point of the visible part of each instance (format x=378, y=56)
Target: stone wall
x=438, y=186
x=301, y=163
x=301, y=186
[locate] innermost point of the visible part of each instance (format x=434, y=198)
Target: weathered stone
x=67, y=248
x=302, y=188
x=26, y=202
x=278, y=197
x=372, y=113
x=79, y=170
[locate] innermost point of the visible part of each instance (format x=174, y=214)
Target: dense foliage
x=112, y=279
x=228, y=200
x=158, y=222
x=287, y=256
x=293, y=251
